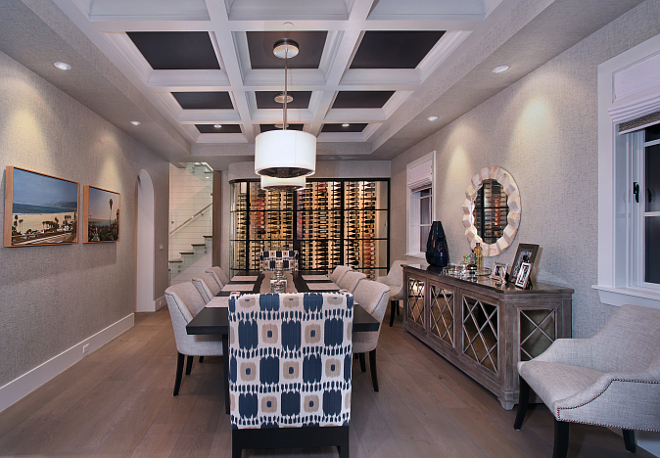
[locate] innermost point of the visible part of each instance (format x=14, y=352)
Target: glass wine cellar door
x=329, y=223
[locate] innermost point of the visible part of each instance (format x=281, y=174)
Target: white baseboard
x=648, y=441
x=30, y=381
x=160, y=302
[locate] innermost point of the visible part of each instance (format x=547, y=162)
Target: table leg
x=225, y=365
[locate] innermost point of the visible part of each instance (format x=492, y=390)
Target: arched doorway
x=145, y=241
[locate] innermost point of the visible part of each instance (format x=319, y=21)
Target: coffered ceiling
x=203, y=76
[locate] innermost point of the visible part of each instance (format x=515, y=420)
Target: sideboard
x=483, y=327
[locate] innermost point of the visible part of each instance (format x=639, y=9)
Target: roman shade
x=636, y=102
x=420, y=176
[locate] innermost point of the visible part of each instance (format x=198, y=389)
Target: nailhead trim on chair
x=559, y=409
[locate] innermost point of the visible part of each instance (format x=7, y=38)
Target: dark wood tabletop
x=298, y=281
x=215, y=321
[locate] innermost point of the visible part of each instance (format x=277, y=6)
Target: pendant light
x=282, y=184
x=285, y=153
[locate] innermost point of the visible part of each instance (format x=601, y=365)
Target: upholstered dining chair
x=219, y=275
x=289, y=259
x=373, y=297
x=394, y=280
x=611, y=379
x=290, y=358
x=184, y=302
x=350, y=280
x=338, y=274
x=207, y=286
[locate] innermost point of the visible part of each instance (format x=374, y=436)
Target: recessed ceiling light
x=135, y=123
x=432, y=118
x=287, y=25
x=62, y=65
x=500, y=69
x=345, y=124
x=217, y=126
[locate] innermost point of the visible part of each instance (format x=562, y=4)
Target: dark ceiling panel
x=204, y=100
x=400, y=49
x=362, y=99
x=225, y=129
x=352, y=127
x=267, y=127
x=261, y=49
x=176, y=50
x=266, y=99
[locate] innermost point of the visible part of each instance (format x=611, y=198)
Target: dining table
x=214, y=318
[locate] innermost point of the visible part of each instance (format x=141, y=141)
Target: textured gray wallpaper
x=53, y=297
x=543, y=130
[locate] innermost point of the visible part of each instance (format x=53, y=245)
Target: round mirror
x=491, y=200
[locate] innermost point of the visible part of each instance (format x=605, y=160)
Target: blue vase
x=436, y=246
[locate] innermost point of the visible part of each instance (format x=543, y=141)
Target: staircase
x=190, y=221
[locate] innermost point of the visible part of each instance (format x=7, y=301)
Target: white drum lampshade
x=283, y=184
x=285, y=153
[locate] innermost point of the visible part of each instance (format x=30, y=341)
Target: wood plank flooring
x=117, y=402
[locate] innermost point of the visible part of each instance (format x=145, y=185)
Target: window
x=628, y=177
x=425, y=219
x=420, y=204
x=646, y=209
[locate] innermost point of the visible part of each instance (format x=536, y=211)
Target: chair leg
x=343, y=448
x=236, y=450
x=372, y=366
x=189, y=364
x=201, y=359
x=179, y=371
x=393, y=309
x=363, y=365
x=523, y=404
x=561, y=439
x=629, y=439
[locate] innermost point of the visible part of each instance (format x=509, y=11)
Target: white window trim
x=613, y=182
x=412, y=235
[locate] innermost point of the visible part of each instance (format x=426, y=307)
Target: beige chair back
x=207, y=286
x=350, y=280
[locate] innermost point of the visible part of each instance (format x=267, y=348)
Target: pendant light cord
x=286, y=96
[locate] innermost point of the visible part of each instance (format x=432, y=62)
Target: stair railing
x=190, y=219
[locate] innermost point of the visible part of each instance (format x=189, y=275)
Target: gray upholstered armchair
x=394, y=279
x=611, y=379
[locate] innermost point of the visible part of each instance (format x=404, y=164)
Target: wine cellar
x=329, y=223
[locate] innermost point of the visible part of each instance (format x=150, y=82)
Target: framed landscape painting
x=101, y=215
x=39, y=209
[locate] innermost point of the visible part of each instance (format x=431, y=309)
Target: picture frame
x=526, y=253
x=498, y=273
x=101, y=215
x=523, y=274
x=40, y=209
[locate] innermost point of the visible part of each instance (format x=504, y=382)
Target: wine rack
x=329, y=222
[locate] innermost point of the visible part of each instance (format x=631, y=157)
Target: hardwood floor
x=117, y=402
